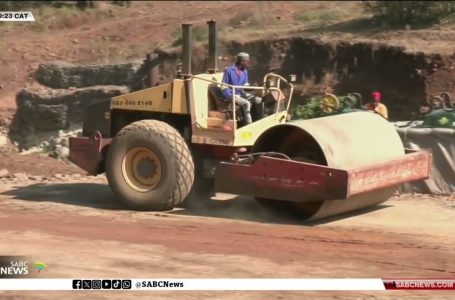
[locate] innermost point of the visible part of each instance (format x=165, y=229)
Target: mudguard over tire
x=149, y=166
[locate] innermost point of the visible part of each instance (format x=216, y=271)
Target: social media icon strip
x=87, y=284
x=105, y=284
x=126, y=284
x=77, y=284
x=116, y=284
x=96, y=284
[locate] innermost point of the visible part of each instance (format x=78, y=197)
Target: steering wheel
x=329, y=103
x=436, y=102
x=447, y=97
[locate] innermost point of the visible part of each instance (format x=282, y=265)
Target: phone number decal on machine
x=123, y=102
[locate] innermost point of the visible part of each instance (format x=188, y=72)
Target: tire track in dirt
x=294, y=244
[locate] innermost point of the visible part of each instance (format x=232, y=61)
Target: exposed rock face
x=406, y=80
x=58, y=105
x=60, y=75
x=54, y=143
x=55, y=109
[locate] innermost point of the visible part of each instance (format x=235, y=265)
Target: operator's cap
x=376, y=96
x=243, y=55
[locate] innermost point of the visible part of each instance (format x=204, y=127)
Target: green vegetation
x=312, y=109
x=46, y=15
x=20, y=5
x=324, y=15
x=53, y=16
x=411, y=12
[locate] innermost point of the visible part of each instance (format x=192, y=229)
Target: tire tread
x=179, y=153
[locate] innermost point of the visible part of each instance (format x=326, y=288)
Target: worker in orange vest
x=376, y=106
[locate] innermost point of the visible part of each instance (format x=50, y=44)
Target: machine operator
x=237, y=74
x=376, y=106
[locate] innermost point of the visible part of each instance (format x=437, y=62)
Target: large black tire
x=167, y=154
x=203, y=188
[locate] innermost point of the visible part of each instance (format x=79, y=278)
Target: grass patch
x=149, y=4
x=3, y=45
x=447, y=20
x=324, y=15
x=263, y=23
x=243, y=19
x=45, y=17
x=199, y=33
x=48, y=18
x=238, y=19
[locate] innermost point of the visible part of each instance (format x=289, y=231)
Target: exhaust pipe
x=213, y=49
x=154, y=69
x=186, y=49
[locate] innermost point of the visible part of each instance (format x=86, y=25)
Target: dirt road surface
x=74, y=225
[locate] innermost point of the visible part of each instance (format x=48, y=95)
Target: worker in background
x=237, y=74
x=376, y=106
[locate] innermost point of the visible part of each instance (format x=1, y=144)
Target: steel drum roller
x=345, y=141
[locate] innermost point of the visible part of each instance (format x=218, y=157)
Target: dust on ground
x=50, y=210
x=75, y=226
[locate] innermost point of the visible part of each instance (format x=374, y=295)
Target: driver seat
x=217, y=106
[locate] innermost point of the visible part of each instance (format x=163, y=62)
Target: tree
x=410, y=12
x=85, y=4
x=22, y=5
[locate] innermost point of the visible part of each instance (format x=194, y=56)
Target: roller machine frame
x=156, y=145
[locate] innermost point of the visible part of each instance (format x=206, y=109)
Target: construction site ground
x=73, y=223
x=51, y=210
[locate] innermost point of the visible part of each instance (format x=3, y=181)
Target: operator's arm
x=227, y=91
x=247, y=80
x=245, y=83
x=385, y=112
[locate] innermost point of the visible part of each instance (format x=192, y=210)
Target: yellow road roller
x=155, y=144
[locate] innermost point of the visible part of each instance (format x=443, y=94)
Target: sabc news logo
x=19, y=266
